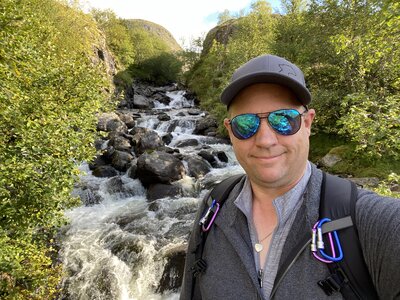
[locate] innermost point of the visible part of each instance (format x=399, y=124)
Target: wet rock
x=161, y=97
x=206, y=125
x=159, y=167
x=89, y=197
x=222, y=156
x=198, y=167
x=160, y=190
x=142, y=102
x=167, y=138
x=120, y=142
x=121, y=160
x=194, y=112
x=171, y=279
x=105, y=171
x=208, y=156
x=149, y=140
x=100, y=160
x=163, y=117
x=188, y=142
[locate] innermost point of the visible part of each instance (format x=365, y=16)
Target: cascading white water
x=115, y=249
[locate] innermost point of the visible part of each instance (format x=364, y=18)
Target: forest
x=55, y=81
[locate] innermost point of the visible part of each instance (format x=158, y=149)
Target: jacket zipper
x=260, y=277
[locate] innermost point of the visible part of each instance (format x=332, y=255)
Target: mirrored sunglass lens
x=285, y=121
x=245, y=126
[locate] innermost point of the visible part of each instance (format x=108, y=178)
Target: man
x=278, y=200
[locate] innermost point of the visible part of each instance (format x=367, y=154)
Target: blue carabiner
x=213, y=209
x=333, y=258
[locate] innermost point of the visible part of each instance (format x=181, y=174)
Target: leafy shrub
x=49, y=98
x=161, y=69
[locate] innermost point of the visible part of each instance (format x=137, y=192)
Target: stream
x=119, y=246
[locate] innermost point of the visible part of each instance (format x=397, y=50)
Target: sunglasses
x=282, y=121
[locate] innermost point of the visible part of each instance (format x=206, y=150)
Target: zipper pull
x=260, y=277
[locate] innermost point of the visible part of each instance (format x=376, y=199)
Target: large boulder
x=147, y=140
x=121, y=160
x=197, y=167
x=120, y=142
x=159, y=167
x=111, y=122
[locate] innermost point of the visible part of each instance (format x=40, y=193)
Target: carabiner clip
x=211, y=212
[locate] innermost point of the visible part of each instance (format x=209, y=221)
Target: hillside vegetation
x=52, y=86
x=350, y=53
x=143, y=50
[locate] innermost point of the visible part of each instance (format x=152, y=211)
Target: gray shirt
x=286, y=207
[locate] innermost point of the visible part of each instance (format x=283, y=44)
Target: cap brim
x=231, y=91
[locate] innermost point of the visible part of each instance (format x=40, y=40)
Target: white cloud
x=183, y=18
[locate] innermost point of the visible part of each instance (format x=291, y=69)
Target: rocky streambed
x=159, y=156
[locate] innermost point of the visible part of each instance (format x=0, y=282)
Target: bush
x=48, y=103
x=161, y=69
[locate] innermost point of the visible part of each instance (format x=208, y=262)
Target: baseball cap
x=267, y=69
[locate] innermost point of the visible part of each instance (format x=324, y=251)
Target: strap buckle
x=198, y=267
x=334, y=282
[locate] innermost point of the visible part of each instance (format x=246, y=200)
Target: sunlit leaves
x=50, y=92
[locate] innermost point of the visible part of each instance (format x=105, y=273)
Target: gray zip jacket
x=231, y=271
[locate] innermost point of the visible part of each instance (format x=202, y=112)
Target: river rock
x=161, y=190
x=206, y=126
x=121, y=160
x=197, y=166
x=147, y=140
x=159, y=167
x=111, y=122
x=127, y=118
x=208, y=156
x=105, y=171
x=172, y=276
x=120, y=142
x=188, y=142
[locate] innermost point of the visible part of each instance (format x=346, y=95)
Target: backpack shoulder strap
x=337, y=202
x=219, y=194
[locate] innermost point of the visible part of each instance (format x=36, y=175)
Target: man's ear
x=228, y=127
x=308, y=119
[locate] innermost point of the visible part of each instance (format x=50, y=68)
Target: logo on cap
x=288, y=70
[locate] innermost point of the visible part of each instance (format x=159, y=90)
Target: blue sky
x=185, y=19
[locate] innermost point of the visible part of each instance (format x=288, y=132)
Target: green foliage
x=373, y=123
x=392, y=179
x=50, y=92
x=117, y=36
x=162, y=69
x=252, y=36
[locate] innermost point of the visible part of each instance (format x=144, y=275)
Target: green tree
x=48, y=101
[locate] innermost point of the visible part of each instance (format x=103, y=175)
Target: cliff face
x=155, y=29
x=221, y=33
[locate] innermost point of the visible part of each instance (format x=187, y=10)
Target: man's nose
x=265, y=136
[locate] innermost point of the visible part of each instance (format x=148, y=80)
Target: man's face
x=271, y=160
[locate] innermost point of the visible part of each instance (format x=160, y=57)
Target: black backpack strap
x=219, y=193
x=350, y=276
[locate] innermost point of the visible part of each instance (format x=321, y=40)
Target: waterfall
x=118, y=243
